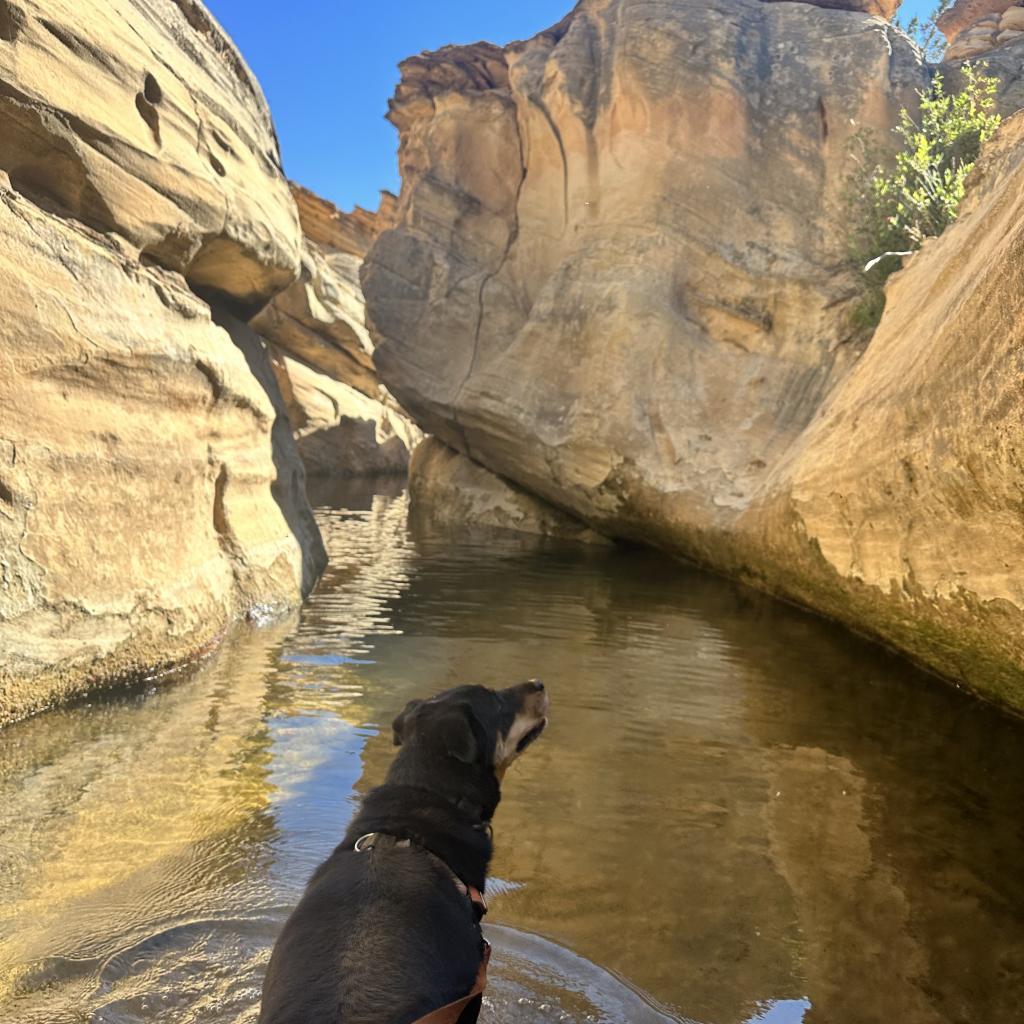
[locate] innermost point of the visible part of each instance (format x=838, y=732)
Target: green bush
x=900, y=202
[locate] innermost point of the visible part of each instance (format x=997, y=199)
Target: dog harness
x=450, y=1013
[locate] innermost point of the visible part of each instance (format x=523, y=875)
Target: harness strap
x=451, y=1013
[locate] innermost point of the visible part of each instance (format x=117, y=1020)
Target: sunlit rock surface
x=617, y=280
x=150, y=490
x=140, y=117
x=339, y=430
x=882, y=8
x=327, y=226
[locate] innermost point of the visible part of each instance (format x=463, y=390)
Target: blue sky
x=328, y=68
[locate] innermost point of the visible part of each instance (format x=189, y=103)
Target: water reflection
x=748, y=815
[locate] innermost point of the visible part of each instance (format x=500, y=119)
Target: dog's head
x=476, y=725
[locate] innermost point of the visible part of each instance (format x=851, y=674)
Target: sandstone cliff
x=616, y=278
x=150, y=489
x=346, y=423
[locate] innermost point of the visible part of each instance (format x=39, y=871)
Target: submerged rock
x=617, y=278
x=449, y=490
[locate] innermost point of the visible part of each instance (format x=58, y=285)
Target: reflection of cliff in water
x=764, y=807
x=120, y=819
x=893, y=812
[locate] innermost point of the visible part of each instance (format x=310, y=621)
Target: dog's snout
x=537, y=685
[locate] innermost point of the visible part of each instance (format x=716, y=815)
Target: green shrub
x=900, y=202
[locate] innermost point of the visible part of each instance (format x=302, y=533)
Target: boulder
x=965, y=13
x=1012, y=19
x=450, y=491
x=139, y=117
x=150, y=490
x=341, y=432
x=616, y=279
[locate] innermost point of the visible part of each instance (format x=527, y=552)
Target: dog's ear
x=455, y=730
x=401, y=724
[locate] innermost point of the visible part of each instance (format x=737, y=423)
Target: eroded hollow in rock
x=151, y=89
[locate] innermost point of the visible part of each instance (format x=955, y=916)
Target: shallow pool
x=738, y=814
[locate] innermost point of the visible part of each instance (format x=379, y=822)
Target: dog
x=388, y=929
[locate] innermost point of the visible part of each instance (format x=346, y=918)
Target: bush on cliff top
x=918, y=192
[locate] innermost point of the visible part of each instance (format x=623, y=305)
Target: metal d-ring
x=359, y=848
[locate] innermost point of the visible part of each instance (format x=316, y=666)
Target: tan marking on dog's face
x=532, y=713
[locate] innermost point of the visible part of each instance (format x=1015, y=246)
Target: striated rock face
x=980, y=26
x=965, y=14
x=448, y=490
x=150, y=488
x=616, y=280
x=320, y=319
x=346, y=423
x=139, y=117
x=327, y=226
x=899, y=507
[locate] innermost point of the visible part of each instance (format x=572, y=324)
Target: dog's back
x=386, y=938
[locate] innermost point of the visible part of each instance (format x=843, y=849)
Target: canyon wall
x=618, y=278
x=150, y=488
x=346, y=423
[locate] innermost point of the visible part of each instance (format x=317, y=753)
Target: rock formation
x=974, y=27
x=347, y=424
x=330, y=228
x=616, y=278
x=139, y=117
x=449, y=490
x=989, y=34
x=340, y=431
x=150, y=489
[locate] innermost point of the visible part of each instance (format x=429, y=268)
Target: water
x=738, y=813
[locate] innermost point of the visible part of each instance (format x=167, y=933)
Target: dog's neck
x=473, y=788
x=458, y=837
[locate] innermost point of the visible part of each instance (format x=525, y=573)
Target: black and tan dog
x=388, y=930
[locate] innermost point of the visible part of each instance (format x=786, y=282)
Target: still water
x=738, y=814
